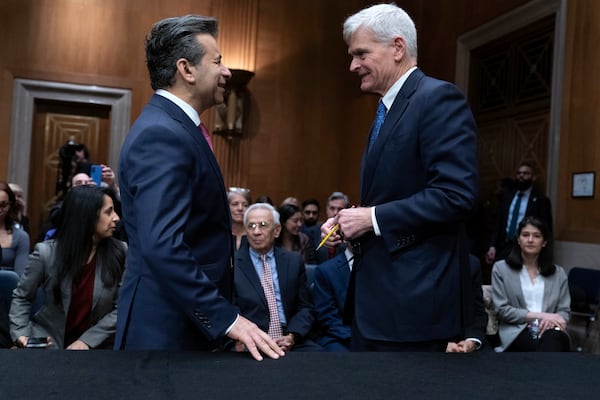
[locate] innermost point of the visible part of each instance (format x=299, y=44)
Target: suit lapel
x=245, y=266
x=98, y=286
x=65, y=290
x=187, y=124
x=390, y=125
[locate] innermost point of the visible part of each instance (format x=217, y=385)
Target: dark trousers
x=550, y=341
x=360, y=343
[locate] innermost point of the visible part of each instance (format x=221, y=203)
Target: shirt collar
x=258, y=255
x=187, y=109
x=390, y=95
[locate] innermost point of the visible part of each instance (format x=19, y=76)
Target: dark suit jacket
x=329, y=294
x=250, y=297
x=477, y=329
x=412, y=283
x=538, y=206
x=179, y=278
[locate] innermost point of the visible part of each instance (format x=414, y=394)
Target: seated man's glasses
x=262, y=225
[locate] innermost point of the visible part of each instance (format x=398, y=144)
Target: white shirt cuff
x=375, y=224
x=231, y=326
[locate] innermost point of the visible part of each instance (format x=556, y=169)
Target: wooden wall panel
x=309, y=121
x=578, y=220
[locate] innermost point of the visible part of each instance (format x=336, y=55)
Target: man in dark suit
x=177, y=289
x=329, y=294
x=409, y=289
x=287, y=315
x=516, y=204
x=474, y=337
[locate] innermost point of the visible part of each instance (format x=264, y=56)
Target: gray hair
x=264, y=206
x=172, y=39
x=386, y=21
x=245, y=193
x=338, y=196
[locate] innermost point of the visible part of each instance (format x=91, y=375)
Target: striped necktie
x=266, y=280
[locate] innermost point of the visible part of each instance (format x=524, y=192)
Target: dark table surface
x=42, y=374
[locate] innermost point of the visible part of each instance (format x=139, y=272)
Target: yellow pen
x=331, y=232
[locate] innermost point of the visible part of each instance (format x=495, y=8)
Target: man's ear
x=184, y=69
x=277, y=230
x=399, y=48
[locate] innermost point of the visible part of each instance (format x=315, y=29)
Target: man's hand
x=108, y=176
x=464, y=346
x=354, y=222
x=287, y=342
x=78, y=345
x=254, y=339
x=335, y=238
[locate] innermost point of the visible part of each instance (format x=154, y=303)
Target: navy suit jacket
x=179, y=279
x=412, y=283
x=329, y=294
x=250, y=296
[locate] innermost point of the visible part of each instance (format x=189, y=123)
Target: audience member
x=48, y=229
x=21, y=219
x=475, y=332
x=264, y=199
x=290, y=200
x=239, y=200
x=177, y=292
x=270, y=282
x=80, y=273
x=13, y=241
x=329, y=294
x=517, y=203
x=409, y=288
x=335, y=202
x=531, y=294
x=290, y=237
x=311, y=226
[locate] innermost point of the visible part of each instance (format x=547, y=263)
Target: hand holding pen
x=348, y=224
x=330, y=233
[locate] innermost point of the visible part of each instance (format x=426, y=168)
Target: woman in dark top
x=80, y=273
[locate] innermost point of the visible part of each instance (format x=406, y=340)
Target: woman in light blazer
x=80, y=273
x=531, y=294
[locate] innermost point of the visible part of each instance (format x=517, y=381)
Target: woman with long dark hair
x=79, y=271
x=291, y=238
x=531, y=294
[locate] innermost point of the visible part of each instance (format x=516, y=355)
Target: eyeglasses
x=4, y=205
x=262, y=225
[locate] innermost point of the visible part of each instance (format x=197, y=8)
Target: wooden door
x=55, y=123
x=510, y=93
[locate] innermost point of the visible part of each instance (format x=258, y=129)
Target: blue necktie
x=512, y=226
x=379, y=118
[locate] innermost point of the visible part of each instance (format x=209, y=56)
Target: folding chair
x=584, y=287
